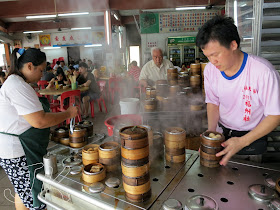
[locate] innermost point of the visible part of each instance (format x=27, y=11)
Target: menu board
x=184, y=21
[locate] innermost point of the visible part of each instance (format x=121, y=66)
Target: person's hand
x=231, y=147
x=144, y=83
x=73, y=111
x=52, y=80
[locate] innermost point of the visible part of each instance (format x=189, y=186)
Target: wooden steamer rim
x=174, y=136
x=209, y=163
x=277, y=185
x=92, y=156
x=138, y=162
x=210, y=150
x=175, y=159
x=175, y=144
x=77, y=145
x=137, y=190
x=64, y=141
x=195, y=66
x=78, y=132
x=132, y=136
x=206, y=156
x=211, y=142
x=109, y=153
x=139, y=198
x=175, y=152
x=135, y=144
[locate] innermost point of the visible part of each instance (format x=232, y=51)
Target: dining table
x=56, y=92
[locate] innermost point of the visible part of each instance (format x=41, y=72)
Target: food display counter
x=173, y=185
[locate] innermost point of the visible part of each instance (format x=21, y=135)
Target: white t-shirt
x=17, y=98
x=246, y=98
x=154, y=73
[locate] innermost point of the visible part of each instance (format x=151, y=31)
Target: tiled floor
x=7, y=201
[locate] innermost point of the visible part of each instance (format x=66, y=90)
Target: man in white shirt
x=155, y=69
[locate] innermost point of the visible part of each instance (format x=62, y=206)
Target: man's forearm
x=263, y=128
x=212, y=116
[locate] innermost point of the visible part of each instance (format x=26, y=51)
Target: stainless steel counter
x=228, y=185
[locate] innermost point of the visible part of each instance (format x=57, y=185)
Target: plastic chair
x=102, y=85
x=54, y=104
x=74, y=97
x=61, y=59
x=54, y=61
x=114, y=86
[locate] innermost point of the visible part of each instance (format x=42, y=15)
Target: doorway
x=73, y=54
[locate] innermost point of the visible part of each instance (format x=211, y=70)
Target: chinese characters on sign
x=152, y=44
x=71, y=38
x=247, y=98
x=180, y=22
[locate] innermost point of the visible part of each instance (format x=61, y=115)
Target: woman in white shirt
x=24, y=126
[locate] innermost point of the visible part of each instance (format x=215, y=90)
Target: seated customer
x=155, y=69
x=134, y=71
x=47, y=74
x=87, y=79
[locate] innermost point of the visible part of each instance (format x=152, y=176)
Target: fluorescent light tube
x=83, y=28
x=115, y=15
x=107, y=26
x=189, y=8
x=93, y=45
x=73, y=14
x=40, y=16
x=51, y=48
x=32, y=32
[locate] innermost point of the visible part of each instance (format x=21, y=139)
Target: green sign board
x=181, y=40
x=149, y=23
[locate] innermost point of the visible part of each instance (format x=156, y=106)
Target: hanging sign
x=45, y=40
x=181, y=40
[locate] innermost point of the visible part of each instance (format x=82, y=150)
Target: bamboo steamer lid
x=175, y=134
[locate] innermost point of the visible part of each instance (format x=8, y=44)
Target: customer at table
x=62, y=65
x=48, y=74
x=24, y=126
x=56, y=65
x=155, y=69
x=96, y=71
x=134, y=71
x=242, y=91
x=87, y=79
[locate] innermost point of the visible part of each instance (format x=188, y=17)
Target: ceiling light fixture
x=189, y=8
x=32, y=32
x=40, y=16
x=93, y=45
x=73, y=14
x=83, y=28
x=116, y=16
x=107, y=27
x=51, y=48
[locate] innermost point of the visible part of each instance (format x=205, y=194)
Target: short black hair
x=83, y=64
x=49, y=68
x=221, y=29
x=57, y=62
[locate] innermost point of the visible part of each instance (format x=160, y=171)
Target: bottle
x=56, y=85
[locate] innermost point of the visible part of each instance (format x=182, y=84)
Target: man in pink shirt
x=242, y=91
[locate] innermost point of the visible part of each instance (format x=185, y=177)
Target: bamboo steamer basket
x=195, y=72
x=64, y=141
x=150, y=92
x=206, y=156
x=173, y=89
x=212, y=142
x=131, y=134
x=196, y=106
x=176, y=158
x=78, y=137
x=209, y=163
x=195, y=66
x=138, y=198
x=162, y=89
x=210, y=150
x=89, y=177
x=160, y=82
x=88, y=125
x=175, y=152
x=203, y=66
x=134, y=171
x=172, y=70
x=174, y=144
x=137, y=190
x=174, y=134
x=195, y=80
x=77, y=145
x=135, y=154
x=150, y=104
x=90, y=156
x=173, y=82
x=136, y=181
x=109, y=150
x=59, y=133
x=109, y=155
x=135, y=144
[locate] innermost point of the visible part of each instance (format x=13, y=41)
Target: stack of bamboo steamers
x=135, y=163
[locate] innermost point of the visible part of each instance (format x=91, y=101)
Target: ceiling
x=13, y=12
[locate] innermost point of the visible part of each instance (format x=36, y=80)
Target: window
x=134, y=54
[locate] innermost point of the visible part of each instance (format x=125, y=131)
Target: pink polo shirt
x=246, y=98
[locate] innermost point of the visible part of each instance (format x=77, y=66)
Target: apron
x=34, y=142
